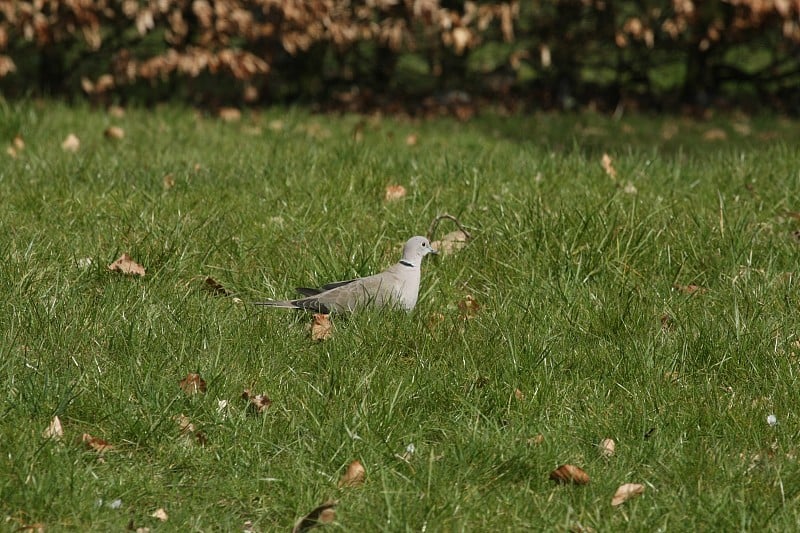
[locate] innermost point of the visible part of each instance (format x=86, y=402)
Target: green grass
x=573, y=272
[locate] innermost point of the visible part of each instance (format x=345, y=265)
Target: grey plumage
x=397, y=286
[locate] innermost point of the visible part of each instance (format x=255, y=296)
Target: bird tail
x=286, y=304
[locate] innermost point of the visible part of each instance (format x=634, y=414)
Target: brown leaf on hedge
x=569, y=474
x=394, y=192
x=96, y=444
x=323, y=514
x=193, y=384
x=126, y=265
x=256, y=403
x=608, y=166
x=626, y=492
x=321, y=327
x=71, y=143
x=354, y=476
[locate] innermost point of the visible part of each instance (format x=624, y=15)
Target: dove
x=397, y=286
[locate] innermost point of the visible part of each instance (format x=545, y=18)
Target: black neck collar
x=407, y=263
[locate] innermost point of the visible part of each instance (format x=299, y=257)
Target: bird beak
x=434, y=251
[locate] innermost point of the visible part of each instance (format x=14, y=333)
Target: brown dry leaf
x=450, y=243
x=54, y=429
x=323, y=514
x=321, y=327
x=126, y=265
x=18, y=143
x=569, y=474
x=626, y=492
x=607, y=448
x=412, y=139
x=535, y=440
x=169, y=181
x=608, y=166
x=114, y=132
x=468, y=307
x=160, y=514
x=36, y=527
x=715, y=134
x=71, y=143
x=96, y=444
x=230, y=114
x=116, y=111
x=188, y=431
x=215, y=287
x=434, y=319
x=690, y=289
x=257, y=403
x=193, y=384
x=354, y=476
x=394, y=192
x=519, y=395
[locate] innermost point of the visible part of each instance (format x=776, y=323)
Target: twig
x=436, y=220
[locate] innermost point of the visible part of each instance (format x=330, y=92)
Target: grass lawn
x=658, y=308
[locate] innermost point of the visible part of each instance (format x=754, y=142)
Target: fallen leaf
x=608, y=166
x=434, y=319
x=169, y=181
x=452, y=242
x=114, y=132
x=321, y=327
x=116, y=111
x=535, y=440
x=394, y=192
x=160, y=514
x=257, y=403
x=71, y=143
x=193, y=384
x=519, y=395
x=715, y=134
x=96, y=444
x=126, y=265
x=626, y=492
x=667, y=322
x=354, y=476
x=468, y=307
x=607, y=447
x=412, y=139
x=323, y=514
x=690, y=289
x=630, y=188
x=230, y=114
x=54, y=429
x=569, y=474
x=215, y=287
x=36, y=527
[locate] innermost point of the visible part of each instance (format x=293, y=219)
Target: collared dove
x=396, y=286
